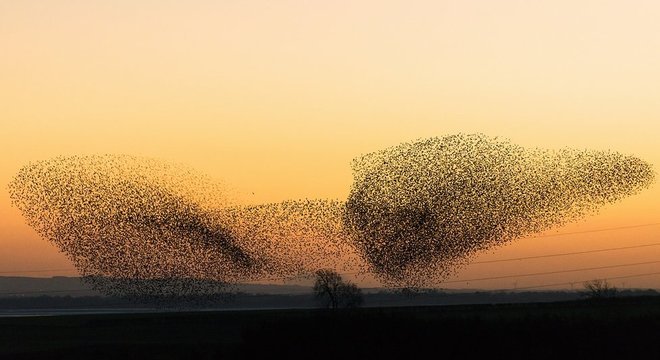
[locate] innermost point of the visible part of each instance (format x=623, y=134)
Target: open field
x=623, y=328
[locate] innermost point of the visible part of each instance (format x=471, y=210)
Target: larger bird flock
x=415, y=213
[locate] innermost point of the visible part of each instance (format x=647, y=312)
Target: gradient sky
x=277, y=97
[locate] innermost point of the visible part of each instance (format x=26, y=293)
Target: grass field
x=616, y=328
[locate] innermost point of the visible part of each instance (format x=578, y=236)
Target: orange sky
x=276, y=98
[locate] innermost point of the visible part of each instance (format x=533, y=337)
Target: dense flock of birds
x=419, y=209
x=415, y=213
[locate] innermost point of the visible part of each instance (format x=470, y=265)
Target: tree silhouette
x=334, y=292
x=599, y=289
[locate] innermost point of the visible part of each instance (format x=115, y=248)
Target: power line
x=462, y=280
x=552, y=272
x=573, y=282
x=510, y=289
x=566, y=254
x=596, y=230
x=444, y=282
x=474, y=262
x=480, y=262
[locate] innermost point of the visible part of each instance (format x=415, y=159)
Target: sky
x=277, y=97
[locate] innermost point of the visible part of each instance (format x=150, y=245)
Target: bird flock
x=415, y=213
x=418, y=210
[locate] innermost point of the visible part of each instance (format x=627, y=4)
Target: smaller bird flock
x=416, y=212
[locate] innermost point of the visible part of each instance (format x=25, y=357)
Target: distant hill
x=54, y=286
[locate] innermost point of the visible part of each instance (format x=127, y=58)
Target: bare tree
x=599, y=289
x=350, y=296
x=335, y=292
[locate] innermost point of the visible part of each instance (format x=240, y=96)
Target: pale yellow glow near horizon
x=276, y=98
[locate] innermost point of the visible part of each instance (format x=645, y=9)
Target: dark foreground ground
x=618, y=328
